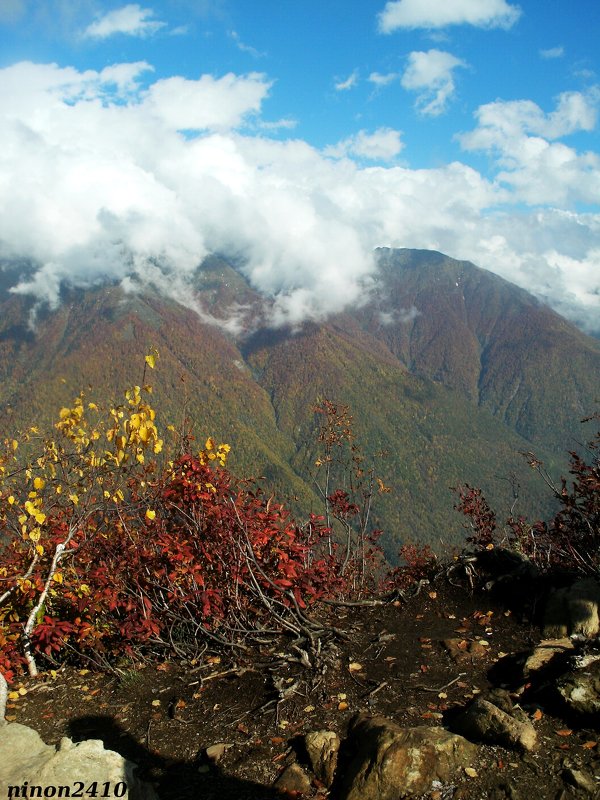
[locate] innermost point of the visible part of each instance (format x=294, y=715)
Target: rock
x=25, y=757
x=464, y=650
x=581, y=780
x=573, y=610
x=215, y=752
x=580, y=688
x=21, y=752
x=504, y=791
x=322, y=748
x=482, y=721
x=293, y=779
x=502, y=700
x=387, y=762
x=545, y=652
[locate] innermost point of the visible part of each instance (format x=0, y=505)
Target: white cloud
x=523, y=140
x=431, y=74
x=132, y=20
x=97, y=182
x=349, y=83
x=384, y=144
x=207, y=103
x=433, y=14
x=553, y=52
x=502, y=121
x=381, y=80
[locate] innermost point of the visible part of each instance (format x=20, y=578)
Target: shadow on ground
x=173, y=780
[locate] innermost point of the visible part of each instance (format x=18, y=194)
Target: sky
x=296, y=137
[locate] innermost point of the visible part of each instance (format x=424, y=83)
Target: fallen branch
x=441, y=688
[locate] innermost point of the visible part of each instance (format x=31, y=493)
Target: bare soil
x=392, y=660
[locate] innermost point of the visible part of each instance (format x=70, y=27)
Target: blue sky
x=299, y=136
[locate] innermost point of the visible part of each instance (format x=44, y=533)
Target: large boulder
x=387, y=762
x=573, y=610
x=580, y=687
x=25, y=757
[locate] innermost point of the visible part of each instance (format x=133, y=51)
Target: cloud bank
x=109, y=175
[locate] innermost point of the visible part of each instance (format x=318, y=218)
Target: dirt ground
x=392, y=660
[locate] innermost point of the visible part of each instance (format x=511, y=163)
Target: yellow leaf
x=39, y=549
x=13, y=695
x=11, y=500
x=74, y=499
x=15, y=444
x=151, y=361
x=40, y=518
x=57, y=577
x=150, y=514
x=39, y=483
x=210, y=443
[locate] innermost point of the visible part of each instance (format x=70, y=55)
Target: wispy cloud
x=245, y=48
x=349, y=83
x=553, y=52
x=12, y=10
x=131, y=20
x=431, y=14
x=431, y=75
x=285, y=124
x=380, y=80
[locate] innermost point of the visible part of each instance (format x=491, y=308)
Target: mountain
x=447, y=368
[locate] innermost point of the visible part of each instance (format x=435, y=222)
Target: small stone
x=216, y=752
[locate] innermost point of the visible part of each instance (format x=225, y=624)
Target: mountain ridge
x=408, y=363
